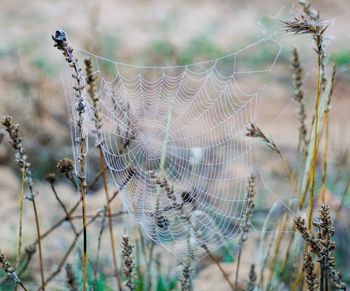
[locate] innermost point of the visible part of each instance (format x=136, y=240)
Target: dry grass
x=312, y=268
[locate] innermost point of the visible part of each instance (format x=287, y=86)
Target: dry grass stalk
x=309, y=25
x=72, y=281
x=6, y=266
x=217, y=262
x=326, y=124
x=321, y=244
x=245, y=226
x=61, y=43
x=129, y=264
x=24, y=164
x=279, y=238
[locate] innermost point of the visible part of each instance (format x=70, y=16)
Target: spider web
x=174, y=141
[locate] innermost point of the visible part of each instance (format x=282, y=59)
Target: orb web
x=174, y=141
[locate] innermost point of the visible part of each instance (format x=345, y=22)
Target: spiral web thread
x=174, y=141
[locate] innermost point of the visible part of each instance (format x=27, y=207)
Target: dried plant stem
x=290, y=174
x=39, y=245
x=82, y=191
x=238, y=264
x=313, y=169
x=216, y=261
x=290, y=242
x=326, y=124
x=110, y=222
x=100, y=213
x=277, y=247
x=324, y=175
x=64, y=208
x=19, y=251
x=22, y=161
x=61, y=43
x=300, y=276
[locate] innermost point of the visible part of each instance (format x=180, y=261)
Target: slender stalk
x=39, y=245
x=22, y=161
x=19, y=251
x=61, y=42
x=82, y=191
x=216, y=261
x=326, y=124
x=277, y=247
x=324, y=176
x=63, y=207
x=313, y=170
x=300, y=276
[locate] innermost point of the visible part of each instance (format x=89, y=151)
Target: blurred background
x=156, y=33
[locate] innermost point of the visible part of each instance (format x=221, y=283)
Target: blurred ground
x=146, y=33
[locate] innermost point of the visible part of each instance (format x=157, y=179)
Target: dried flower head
x=51, y=178
x=65, y=165
x=305, y=24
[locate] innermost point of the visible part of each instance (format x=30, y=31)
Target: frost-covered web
x=174, y=141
